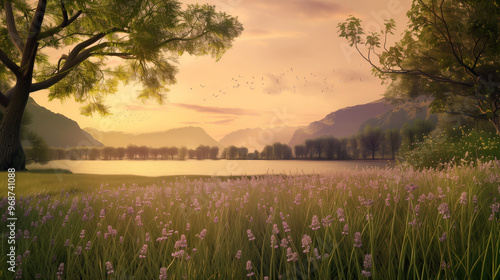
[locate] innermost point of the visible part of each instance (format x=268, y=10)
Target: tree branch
x=61, y=26
x=463, y=113
x=411, y=72
x=68, y=66
x=183, y=38
x=9, y=63
x=4, y=100
x=33, y=32
x=81, y=46
x=11, y=27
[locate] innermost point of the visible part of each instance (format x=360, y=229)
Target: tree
x=132, y=151
x=318, y=145
x=354, y=146
x=231, y=152
x=107, y=153
x=95, y=153
x=450, y=52
x=39, y=151
x=267, y=152
x=393, y=138
x=155, y=152
x=300, y=151
x=242, y=152
x=330, y=144
x=214, y=152
x=287, y=151
x=310, y=147
x=173, y=151
x=143, y=152
x=370, y=138
x=120, y=153
x=147, y=35
x=182, y=153
x=422, y=128
x=191, y=153
x=277, y=150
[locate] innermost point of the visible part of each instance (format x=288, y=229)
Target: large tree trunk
x=11, y=151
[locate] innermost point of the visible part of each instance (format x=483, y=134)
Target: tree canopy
x=449, y=52
x=148, y=35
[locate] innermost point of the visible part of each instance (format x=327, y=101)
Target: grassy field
x=382, y=224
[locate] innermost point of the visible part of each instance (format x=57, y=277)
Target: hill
x=341, y=123
x=401, y=114
x=57, y=130
x=191, y=137
x=258, y=138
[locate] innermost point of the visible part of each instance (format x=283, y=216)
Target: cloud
x=259, y=34
x=218, y=110
x=225, y=121
x=306, y=9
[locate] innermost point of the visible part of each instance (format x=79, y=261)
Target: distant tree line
x=274, y=151
x=132, y=152
x=371, y=142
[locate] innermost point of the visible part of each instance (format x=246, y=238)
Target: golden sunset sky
x=288, y=67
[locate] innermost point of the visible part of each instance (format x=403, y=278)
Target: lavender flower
x=250, y=235
x=202, y=233
x=163, y=273
x=367, y=265
x=274, y=242
x=144, y=251
x=306, y=242
x=463, y=198
x=444, y=210
x=249, y=269
x=341, y=215
x=443, y=237
x=181, y=243
x=315, y=225
x=291, y=257
x=60, y=271
x=327, y=221
x=109, y=268
x=357, y=240
x=345, y=231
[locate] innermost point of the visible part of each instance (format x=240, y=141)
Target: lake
x=209, y=167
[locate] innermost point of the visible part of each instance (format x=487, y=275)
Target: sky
x=289, y=67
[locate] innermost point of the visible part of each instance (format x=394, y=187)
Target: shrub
x=441, y=149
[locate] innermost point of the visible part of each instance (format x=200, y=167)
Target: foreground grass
x=385, y=224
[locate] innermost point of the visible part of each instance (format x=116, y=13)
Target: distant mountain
x=56, y=129
x=191, y=137
x=258, y=138
x=341, y=123
x=401, y=114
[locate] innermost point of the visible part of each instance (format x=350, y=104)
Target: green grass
x=403, y=239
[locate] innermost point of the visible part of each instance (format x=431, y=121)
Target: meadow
x=393, y=223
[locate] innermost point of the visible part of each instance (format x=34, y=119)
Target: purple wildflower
x=357, y=240
x=163, y=273
x=315, y=225
x=109, y=267
x=249, y=269
x=306, y=242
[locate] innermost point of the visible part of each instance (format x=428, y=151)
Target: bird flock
x=287, y=81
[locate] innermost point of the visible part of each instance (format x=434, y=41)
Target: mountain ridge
x=56, y=129
x=190, y=137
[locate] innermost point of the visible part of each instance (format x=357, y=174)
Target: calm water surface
x=209, y=167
